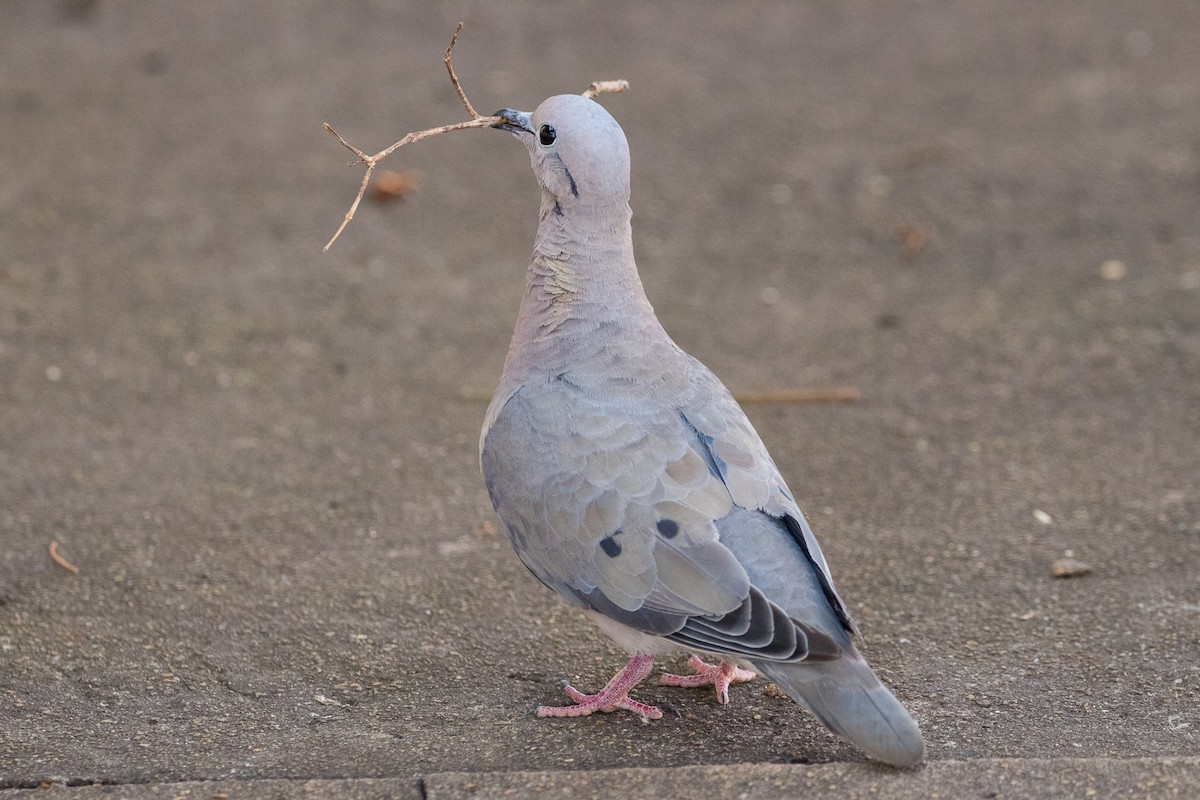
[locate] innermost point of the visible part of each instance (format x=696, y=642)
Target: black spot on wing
x=558, y=212
x=669, y=528
x=610, y=545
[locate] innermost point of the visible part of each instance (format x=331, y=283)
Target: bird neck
x=582, y=294
x=582, y=268
x=584, y=305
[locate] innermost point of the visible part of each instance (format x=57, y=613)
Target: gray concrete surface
x=938, y=780
x=261, y=460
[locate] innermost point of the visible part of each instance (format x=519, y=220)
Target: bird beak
x=515, y=122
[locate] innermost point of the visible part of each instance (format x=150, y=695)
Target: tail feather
x=849, y=700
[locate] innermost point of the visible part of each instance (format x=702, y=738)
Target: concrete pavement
x=263, y=462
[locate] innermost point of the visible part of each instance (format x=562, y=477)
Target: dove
x=631, y=483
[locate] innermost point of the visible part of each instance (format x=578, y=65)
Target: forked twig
x=476, y=121
x=371, y=161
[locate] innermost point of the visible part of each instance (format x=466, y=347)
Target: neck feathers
x=583, y=306
x=582, y=266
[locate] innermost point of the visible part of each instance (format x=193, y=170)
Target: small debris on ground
x=913, y=239
x=1070, y=568
x=395, y=185
x=1113, y=270
x=773, y=690
x=62, y=562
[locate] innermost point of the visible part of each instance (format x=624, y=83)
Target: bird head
x=578, y=151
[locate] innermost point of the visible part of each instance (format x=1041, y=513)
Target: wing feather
x=672, y=520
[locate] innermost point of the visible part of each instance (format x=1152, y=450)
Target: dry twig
x=605, y=87
x=62, y=562
x=476, y=121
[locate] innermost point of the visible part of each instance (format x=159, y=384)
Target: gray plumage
x=628, y=478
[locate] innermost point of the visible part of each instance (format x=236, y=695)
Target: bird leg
x=614, y=695
x=719, y=675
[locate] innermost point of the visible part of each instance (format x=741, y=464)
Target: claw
x=718, y=675
x=615, y=694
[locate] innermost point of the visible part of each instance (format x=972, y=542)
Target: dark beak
x=515, y=122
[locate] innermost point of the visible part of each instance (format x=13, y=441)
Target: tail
x=847, y=697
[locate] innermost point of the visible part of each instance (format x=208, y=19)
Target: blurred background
x=262, y=459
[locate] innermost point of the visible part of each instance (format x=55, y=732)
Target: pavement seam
x=848, y=774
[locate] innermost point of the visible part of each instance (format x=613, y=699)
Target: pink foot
x=719, y=675
x=613, y=696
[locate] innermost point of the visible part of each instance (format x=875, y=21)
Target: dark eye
x=547, y=135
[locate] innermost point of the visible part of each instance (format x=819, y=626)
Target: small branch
x=416, y=136
x=365, y=159
x=476, y=121
x=449, y=61
x=605, y=87
x=62, y=562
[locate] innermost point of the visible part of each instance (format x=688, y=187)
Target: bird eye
x=547, y=135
